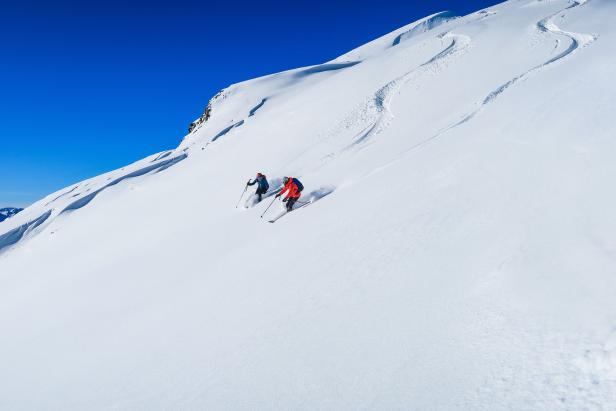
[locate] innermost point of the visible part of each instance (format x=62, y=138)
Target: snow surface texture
x=462, y=254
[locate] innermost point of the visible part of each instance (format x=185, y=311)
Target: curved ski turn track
x=546, y=25
x=379, y=104
x=383, y=98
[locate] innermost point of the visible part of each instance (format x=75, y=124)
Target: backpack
x=299, y=185
x=264, y=184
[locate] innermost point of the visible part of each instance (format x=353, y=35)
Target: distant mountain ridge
x=8, y=212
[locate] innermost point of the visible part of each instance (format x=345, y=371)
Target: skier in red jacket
x=293, y=189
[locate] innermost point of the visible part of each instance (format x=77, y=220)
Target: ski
x=273, y=220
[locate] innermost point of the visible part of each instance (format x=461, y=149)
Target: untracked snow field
x=460, y=252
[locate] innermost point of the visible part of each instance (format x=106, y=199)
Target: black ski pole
x=270, y=204
x=243, y=192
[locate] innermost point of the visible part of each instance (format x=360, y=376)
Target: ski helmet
x=285, y=180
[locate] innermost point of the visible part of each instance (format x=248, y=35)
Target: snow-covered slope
x=461, y=254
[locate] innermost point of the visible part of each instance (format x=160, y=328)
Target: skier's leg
x=259, y=194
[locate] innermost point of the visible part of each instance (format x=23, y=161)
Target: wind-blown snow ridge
x=162, y=155
x=62, y=195
x=227, y=129
x=297, y=75
x=142, y=171
x=425, y=26
x=13, y=236
x=256, y=108
x=240, y=123
x=322, y=68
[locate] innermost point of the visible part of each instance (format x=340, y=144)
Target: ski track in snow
x=601, y=360
x=312, y=198
x=546, y=25
x=383, y=98
x=377, y=107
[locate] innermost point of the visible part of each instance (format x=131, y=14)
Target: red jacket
x=291, y=187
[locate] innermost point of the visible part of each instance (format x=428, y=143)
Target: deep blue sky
x=89, y=86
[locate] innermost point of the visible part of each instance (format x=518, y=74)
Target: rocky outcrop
x=207, y=113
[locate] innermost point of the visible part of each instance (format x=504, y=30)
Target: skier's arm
x=251, y=183
x=285, y=188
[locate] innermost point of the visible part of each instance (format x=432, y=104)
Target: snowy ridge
x=11, y=237
x=398, y=36
x=424, y=26
x=453, y=248
x=69, y=199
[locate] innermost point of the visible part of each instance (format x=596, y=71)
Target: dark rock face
x=8, y=212
x=207, y=113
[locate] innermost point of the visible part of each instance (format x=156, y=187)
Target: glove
x=284, y=200
x=277, y=195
